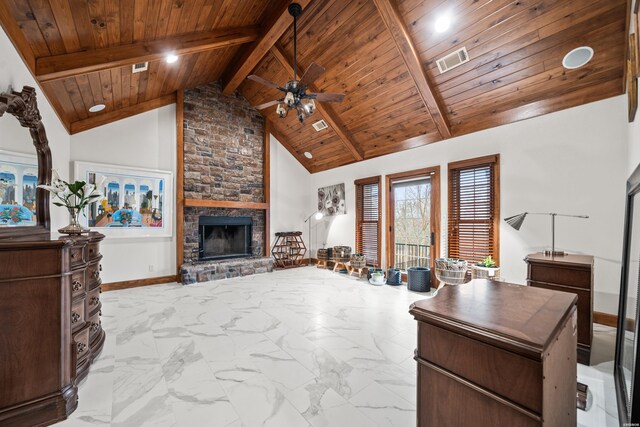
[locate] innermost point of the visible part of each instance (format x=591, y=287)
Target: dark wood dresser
x=50, y=328
x=496, y=354
x=568, y=273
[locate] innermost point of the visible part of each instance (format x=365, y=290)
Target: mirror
x=24, y=208
x=626, y=361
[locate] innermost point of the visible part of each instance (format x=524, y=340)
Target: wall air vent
x=138, y=68
x=453, y=60
x=320, y=125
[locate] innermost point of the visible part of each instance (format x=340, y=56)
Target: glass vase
x=74, y=226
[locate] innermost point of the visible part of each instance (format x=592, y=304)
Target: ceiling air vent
x=453, y=60
x=320, y=125
x=138, y=68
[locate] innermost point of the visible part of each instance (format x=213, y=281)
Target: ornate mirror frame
x=24, y=107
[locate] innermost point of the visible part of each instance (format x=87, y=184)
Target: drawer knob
x=77, y=285
x=100, y=267
x=74, y=255
x=81, y=347
x=75, y=317
x=94, y=327
x=96, y=274
x=94, y=301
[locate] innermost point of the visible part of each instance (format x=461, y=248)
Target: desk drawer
x=512, y=376
x=77, y=283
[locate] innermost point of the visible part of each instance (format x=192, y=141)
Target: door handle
x=433, y=238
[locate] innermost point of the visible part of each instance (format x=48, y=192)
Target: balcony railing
x=408, y=255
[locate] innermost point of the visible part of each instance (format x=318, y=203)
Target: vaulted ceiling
x=381, y=53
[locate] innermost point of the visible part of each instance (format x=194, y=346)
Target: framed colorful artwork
x=18, y=181
x=135, y=202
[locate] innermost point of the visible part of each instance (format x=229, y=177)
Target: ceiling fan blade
x=312, y=73
x=265, y=82
x=327, y=97
x=267, y=104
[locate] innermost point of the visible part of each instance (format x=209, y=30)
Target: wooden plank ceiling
x=380, y=53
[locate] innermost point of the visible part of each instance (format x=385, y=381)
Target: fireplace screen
x=224, y=237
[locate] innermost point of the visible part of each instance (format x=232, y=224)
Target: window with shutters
x=368, y=219
x=474, y=209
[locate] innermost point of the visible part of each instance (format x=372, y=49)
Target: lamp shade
x=516, y=220
x=319, y=216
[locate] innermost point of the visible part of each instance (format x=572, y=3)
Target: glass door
x=413, y=212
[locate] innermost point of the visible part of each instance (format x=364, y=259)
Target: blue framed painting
x=18, y=182
x=135, y=202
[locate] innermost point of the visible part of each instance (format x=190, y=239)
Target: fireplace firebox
x=223, y=237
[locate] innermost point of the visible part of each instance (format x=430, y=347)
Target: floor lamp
x=318, y=215
x=517, y=220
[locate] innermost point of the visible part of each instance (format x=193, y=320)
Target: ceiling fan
x=296, y=96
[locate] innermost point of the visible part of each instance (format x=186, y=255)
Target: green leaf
x=59, y=204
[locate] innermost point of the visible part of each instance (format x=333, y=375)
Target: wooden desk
x=492, y=353
x=568, y=273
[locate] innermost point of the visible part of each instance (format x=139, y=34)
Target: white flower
x=88, y=189
x=52, y=189
x=55, y=175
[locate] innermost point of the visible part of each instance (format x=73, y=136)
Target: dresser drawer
x=77, y=314
x=77, y=283
x=510, y=375
x=76, y=255
x=93, y=251
x=81, y=344
x=93, y=301
x=95, y=325
x=93, y=275
x=567, y=276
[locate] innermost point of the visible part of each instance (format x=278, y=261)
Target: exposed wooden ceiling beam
x=275, y=27
x=112, y=116
x=390, y=14
x=328, y=114
x=72, y=64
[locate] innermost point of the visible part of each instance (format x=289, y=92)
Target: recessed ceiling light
x=171, y=58
x=443, y=23
x=96, y=108
x=577, y=57
x=308, y=155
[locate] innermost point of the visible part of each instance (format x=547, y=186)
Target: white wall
x=573, y=161
x=14, y=74
x=290, y=193
x=147, y=141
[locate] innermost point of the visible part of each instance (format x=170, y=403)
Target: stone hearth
x=205, y=271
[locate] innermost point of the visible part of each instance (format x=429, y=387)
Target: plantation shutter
x=368, y=219
x=474, y=209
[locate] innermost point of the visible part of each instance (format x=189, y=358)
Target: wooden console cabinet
x=568, y=273
x=496, y=354
x=50, y=329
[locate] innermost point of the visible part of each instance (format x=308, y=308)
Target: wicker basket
x=419, y=279
x=323, y=255
x=358, y=261
x=394, y=277
x=451, y=271
x=341, y=253
x=478, y=272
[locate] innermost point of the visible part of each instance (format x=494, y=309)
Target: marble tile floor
x=300, y=347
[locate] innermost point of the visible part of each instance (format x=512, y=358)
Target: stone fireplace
x=223, y=162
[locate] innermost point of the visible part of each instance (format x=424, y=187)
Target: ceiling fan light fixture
x=310, y=107
x=282, y=112
x=301, y=115
x=289, y=99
